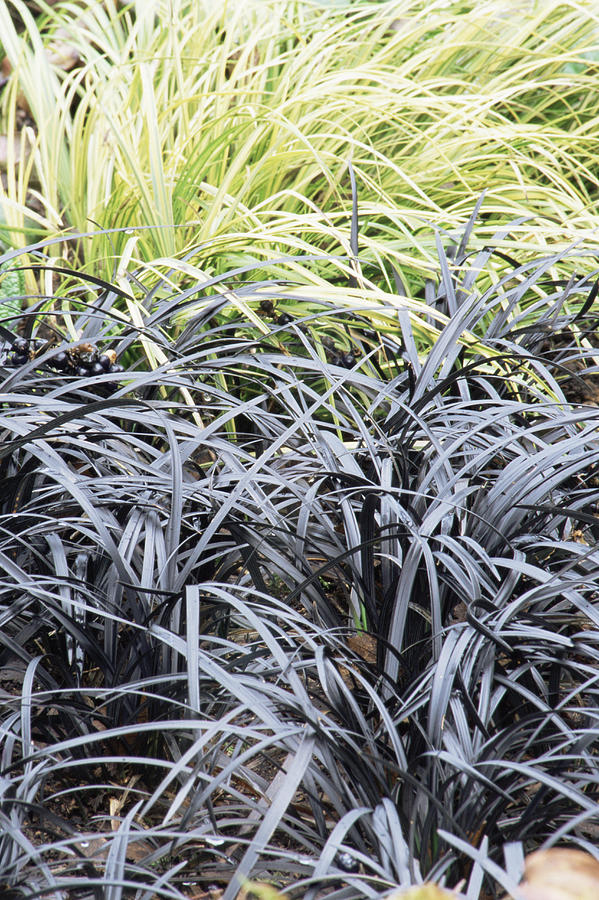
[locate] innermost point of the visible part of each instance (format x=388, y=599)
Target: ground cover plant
x=298, y=494
x=232, y=126
x=290, y=599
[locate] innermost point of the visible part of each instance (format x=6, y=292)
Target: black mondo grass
x=271, y=613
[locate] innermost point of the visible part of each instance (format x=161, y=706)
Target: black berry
x=19, y=359
x=97, y=368
x=21, y=345
x=60, y=361
x=284, y=319
x=346, y=862
x=116, y=368
x=82, y=371
x=105, y=362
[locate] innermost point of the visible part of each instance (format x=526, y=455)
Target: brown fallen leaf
x=61, y=52
x=256, y=891
x=98, y=848
x=364, y=645
x=423, y=892
x=560, y=874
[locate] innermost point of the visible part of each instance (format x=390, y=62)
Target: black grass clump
x=270, y=613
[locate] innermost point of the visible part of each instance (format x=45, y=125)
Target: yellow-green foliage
x=12, y=287
x=231, y=124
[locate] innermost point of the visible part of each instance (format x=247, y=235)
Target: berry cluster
x=84, y=360
x=21, y=352
x=336, y=356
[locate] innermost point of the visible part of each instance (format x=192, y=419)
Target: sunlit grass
x=234, y=129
